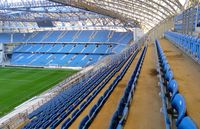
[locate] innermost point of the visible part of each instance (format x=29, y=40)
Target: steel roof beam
x=125, y=10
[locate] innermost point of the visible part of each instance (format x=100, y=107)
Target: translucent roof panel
x=145, y=13
x=17, y=1
x=5, y=4
x=148, y=13
x=183, y=1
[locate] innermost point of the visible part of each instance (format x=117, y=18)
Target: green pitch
x=20, y=84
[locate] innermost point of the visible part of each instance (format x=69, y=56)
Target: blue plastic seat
x=54, y=124
x=100, y=100
x=66, y=124
x=163, y=57
x=172, y=87
x=178, y=103
x=119, y=126
x=45, y=125
x=169, y=75
x=83, y=105
x=125, y=112
x=166, y=67
x=114, y=121
x=93, y=110
x=89, y=99
x=83, y=122
x=164, y=62
x=75, y=113
x=187, y=123
x=70, y=108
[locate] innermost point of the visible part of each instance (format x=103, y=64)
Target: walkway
x=145, y=108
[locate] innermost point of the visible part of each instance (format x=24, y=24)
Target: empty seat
x=83, y=122
x=178, y=103
x=66, y=124
x=187, y=123
x=166, y=67
x=172, y=88
x=169, y=75
x=93, y=110
x=75, y=113
x=114, y=121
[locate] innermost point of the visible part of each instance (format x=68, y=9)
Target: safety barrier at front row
x=173, y=103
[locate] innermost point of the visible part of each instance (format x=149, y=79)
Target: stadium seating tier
x=66, y=48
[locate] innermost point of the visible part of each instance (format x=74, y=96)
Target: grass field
x=20, y=84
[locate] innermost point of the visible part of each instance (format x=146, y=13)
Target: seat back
x=169, y=75
x=83, y=122
x=187, y=123
x=166, y=67
x=178, y=103
x=172, y=87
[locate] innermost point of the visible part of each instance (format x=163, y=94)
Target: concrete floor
x=144, y=111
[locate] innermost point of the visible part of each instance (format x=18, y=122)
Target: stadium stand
x=5, y=37
x=59, y=54
x=173, y=102
x=85, y=50
x=99, y=64
x=55, y=111
x=82, y=36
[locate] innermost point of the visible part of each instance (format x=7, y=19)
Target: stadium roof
x=25, y=14
x=146, y=12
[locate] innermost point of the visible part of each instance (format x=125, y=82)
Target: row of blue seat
x=87, y=120
x=189, y=44
x=60, y=48
x=65, y=102
x=66, y=48
x=62, y=54
x=174, y=103
x=67, y=36
x=70, y=120
x=162, y=93
x=68, y=55
x=121, y=113
x=66, y=60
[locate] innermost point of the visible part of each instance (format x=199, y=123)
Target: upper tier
x=82, y=36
